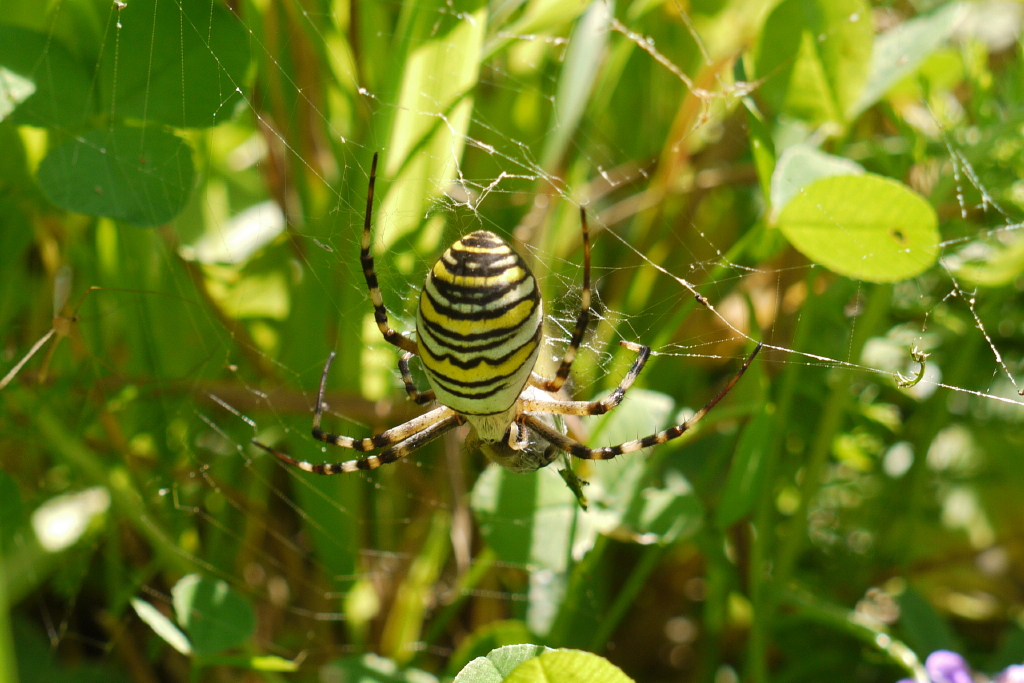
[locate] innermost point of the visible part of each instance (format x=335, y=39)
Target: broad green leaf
x=498, y=663
x=432, y=116
x=41, y=83
x=179, y=63
x=214, y=616
x=533, y=520
x=140, y=176
x=745, y=474
x=664, y=514
x=371, y=668
x=163, y=626
x=623, y=504
x=899, y=51
x=813, y=57
x=865, y=227
x=567, y=666
x=923, y=628
x=526, y=518
x=491, y=638
x=799, y=166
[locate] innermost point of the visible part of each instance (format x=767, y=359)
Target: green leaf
x=923, y=627
x=525, y=518
x=813, y=57
x=762, y=147
x=587, y=46
x=432, y=114
x=745, y=475
x=567, y=666
x=489, y=639
x=214, y=616
x=163, y=626
x=865, y=227
x=898, y=52
x=801, y=165
x=41, y=83
x=498, y=663
x=371, y=668
x=179, y=63
x=140, y=176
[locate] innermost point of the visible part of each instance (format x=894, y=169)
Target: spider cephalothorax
x=478, y=335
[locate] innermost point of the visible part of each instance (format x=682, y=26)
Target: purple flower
x=1012, y=674
x=944, y=666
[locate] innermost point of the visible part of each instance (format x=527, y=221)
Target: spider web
x=296, y=536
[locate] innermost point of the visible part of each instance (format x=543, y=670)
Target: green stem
x=627, y=594
x=8, y=662
x=829, y=425
x=126, y=499
x=764, y=515
x=811, y=607
x=481, y=565
x=579, y=583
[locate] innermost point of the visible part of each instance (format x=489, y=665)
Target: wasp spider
x=478, y=335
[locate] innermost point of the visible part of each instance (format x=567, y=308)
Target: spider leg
x=517, y=436
x=553, y=385
x=386, y=438
x=380, y=313
x=419, y=397
x=444, y=419
x=593, y=407
x=576, y=449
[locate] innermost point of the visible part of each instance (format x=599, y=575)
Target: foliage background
x=823, y=521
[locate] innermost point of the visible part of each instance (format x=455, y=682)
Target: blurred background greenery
x=182, y=187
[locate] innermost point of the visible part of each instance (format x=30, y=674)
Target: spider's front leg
x=578, y=450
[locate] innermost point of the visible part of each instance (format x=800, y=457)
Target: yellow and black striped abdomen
x=478, y=326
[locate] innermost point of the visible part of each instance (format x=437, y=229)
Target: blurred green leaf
x=567, y=666
x=997, y=263
x=899, y=51
x=498, y=663
x=801, y=165
x=163, y=626
x=433, y=114
x=813, y=57
x=405, y=621
x=141, y=176
x=178, y=63
x=587, y=46
x=865, y=227
x=923, y=628
x=746, y=474
x=214, y=616
x=544, y=510
x=489, y=639
x=41, y=83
